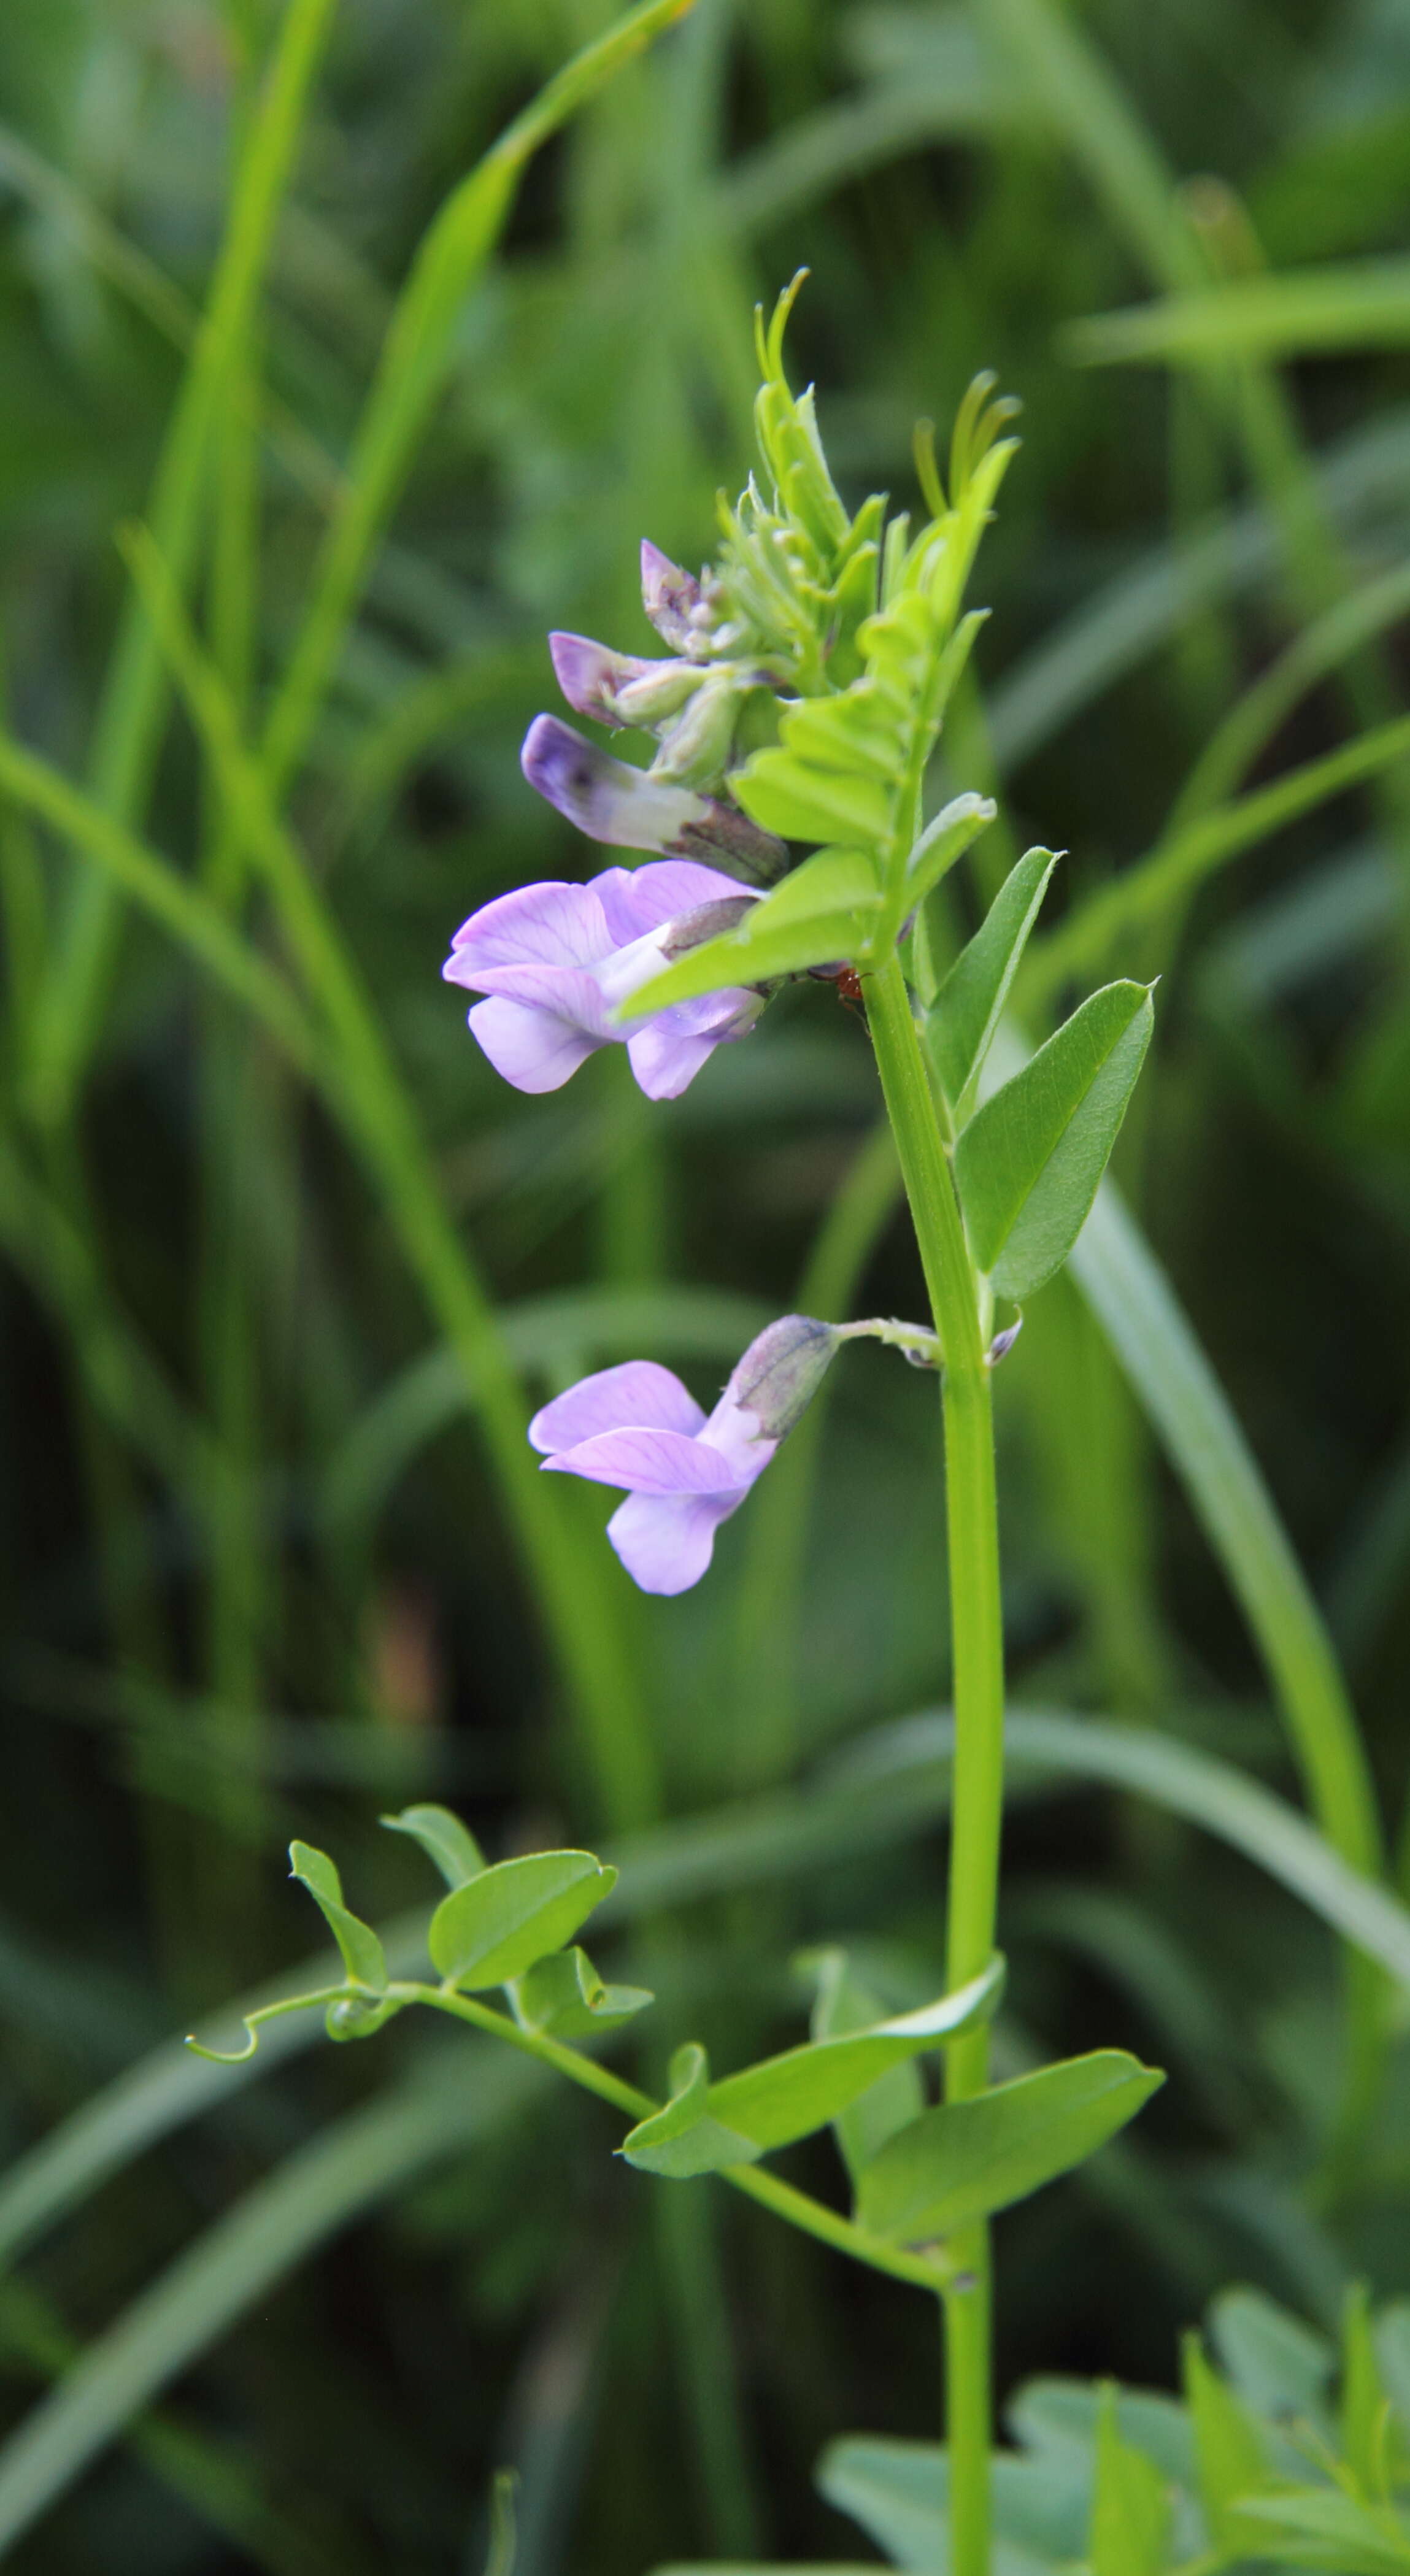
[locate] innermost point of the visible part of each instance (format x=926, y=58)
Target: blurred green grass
x=262, y=1570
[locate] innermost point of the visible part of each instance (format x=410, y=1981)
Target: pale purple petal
x=533, y=1049
x=636, y=1395
x=606, y=798
x=649, y=1462
x=635, y=900
x=547, y=925
x=737, y=1434
x=666, y=1542
x=668, y=595
x=666, y=1060
x=590, y=675
x=569, y=992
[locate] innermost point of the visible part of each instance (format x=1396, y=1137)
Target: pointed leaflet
x=844, y=2005
x=1029, y=1161
x=444, y=1839
x=965, y=2159
x=820, y=915
x=1130, y=2504
x=967, y=1008
x=514, y=1914
x=361, y=1949
x=565, y=1997
x=787, y=2097
x=683, y=2140
x=943, y=841
x=1229, y=2448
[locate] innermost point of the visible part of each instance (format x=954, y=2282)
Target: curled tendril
x=329, y=1995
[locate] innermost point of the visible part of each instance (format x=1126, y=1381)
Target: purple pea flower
x=633, y=809
x=559, y=961
x=684, y=1471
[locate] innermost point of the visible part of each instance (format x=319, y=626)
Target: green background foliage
x=286, y=1266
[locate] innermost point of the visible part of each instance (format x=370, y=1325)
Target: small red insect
x=849, y=986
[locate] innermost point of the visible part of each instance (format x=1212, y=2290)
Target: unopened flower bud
x=619, y=688
x=781, y=1372
x=696, y=748
x=1003, y=1342
x=671, y=598
x=606, y=798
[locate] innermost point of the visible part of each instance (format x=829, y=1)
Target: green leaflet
x=844, y=2005
x=565, y=1997
x=1325, y=2530
x=965, y=2159
x=361, y=1950
x=683, y=2139
x=899, y=2492
x=783, y=2098
x=514, y=1914
x=821, y=915
x=1130, y=2506
x=1029, y=1163
x=1230, y=2451
x=444, y=1839
x=944, y=840
x=967, y=1009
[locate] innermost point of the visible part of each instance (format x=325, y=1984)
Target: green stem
x=922, y=2271
x=976, y=1629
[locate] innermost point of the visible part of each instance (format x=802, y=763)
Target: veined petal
x=590, y=674
x=636, y=1395
x=606, y=798
x=545, y=925
x=649, y=1462
x=570, y=992
x=533, y=1049
x=635, y=900
x=671, y=1050
x=666, y=1542
x=737, y=1434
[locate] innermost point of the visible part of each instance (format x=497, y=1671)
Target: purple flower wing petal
x=737, y=1434
x=533, y=1049
x=537, y=925
x=567, y=992
x=666, y=1542
x=649, y=1462
x=636, y=1395
x=635, y=900
x=666, y=1060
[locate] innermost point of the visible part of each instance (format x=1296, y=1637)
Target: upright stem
x=976, y=1628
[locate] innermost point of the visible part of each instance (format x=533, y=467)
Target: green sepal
x=1130, y=2504
x=361, y=1950
x=1030, y=1161
x=682, y=2139
x=965, y=1014
x=511, y=1916
x=964, y=2160
x=443, y=1838
x=563, y=1997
